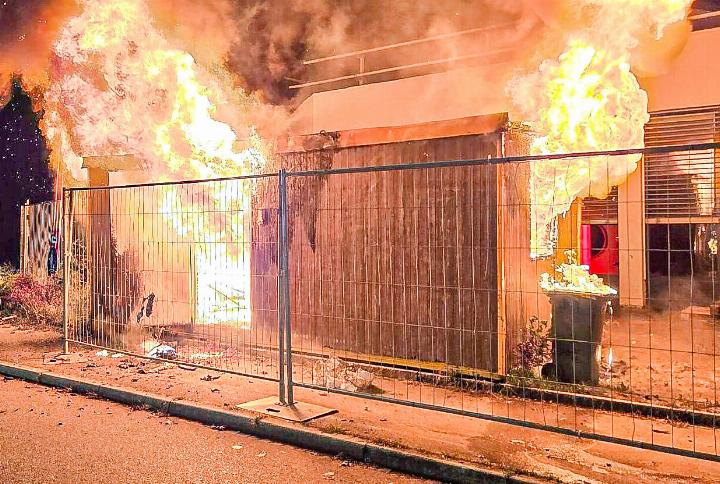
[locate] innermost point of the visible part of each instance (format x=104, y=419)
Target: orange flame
x=588, y=100
x=121, y=87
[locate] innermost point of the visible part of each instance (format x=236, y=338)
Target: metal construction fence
x=175, y=271
x=466, y=286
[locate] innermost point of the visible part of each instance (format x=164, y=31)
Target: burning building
x=615, y=67
x=432, y=208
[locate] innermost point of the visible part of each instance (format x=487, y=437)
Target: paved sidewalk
x=469, y=440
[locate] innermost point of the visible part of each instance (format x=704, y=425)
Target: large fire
x=588, y=99
x=120, y=87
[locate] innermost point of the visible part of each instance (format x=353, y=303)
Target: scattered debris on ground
x=58, y=359
x=205, y=356
x=336, y=373
x=163, y=351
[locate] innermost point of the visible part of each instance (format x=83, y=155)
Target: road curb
x=279, y=431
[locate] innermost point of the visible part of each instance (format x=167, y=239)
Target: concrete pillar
x=631, y=235
x=99, y=255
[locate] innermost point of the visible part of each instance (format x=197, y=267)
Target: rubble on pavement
x=336, y=373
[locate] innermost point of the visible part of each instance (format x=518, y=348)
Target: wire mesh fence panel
x=182, y=271
x=481, y=289
x=563, y=293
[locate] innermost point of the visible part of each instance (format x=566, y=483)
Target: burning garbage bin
x=580, y=305
x=576, y=332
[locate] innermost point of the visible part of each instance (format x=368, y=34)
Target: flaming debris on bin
x=588, y=99
x=573, y=278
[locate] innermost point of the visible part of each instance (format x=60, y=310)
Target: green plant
x=535, y=350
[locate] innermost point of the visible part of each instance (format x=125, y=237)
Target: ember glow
x=588, y=99
x=221, y=255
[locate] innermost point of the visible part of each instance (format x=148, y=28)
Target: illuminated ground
x=53, y=436
x=471, y=440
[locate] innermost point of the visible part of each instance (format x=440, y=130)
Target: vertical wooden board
x=475, y=264
x=355, y=220
x=426, y=318
x=425, y=330
x=352, y=231
x=395, y=247
x=322, y=306
x=373, y=261
x=399, y=225
x=487, y=271
x=401, y=333
x=341, y=242
x=515, y=212
x=438, y=322
x=334, y=244
x=465, y=220
x=322, y=330
x=411, y=242
x=465, y=313
x=384, y=290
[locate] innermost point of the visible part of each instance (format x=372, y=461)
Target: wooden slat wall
x=400, y=264
x=601, y=210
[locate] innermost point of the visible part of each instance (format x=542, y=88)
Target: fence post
x=282, y=278
x=285, y=281
x=66, y=206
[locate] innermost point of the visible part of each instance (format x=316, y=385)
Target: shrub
x=535, y=350
x=7, y=277
x=38, y=300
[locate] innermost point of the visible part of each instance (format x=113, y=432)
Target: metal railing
x=412, y=283
x=367, y=65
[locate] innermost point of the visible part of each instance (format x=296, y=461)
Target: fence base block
x=297, y=412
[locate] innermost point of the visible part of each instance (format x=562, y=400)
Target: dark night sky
x=24, y=171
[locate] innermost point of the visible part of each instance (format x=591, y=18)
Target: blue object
x=52, y=261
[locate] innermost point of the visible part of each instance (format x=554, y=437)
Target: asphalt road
x=47, y=435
